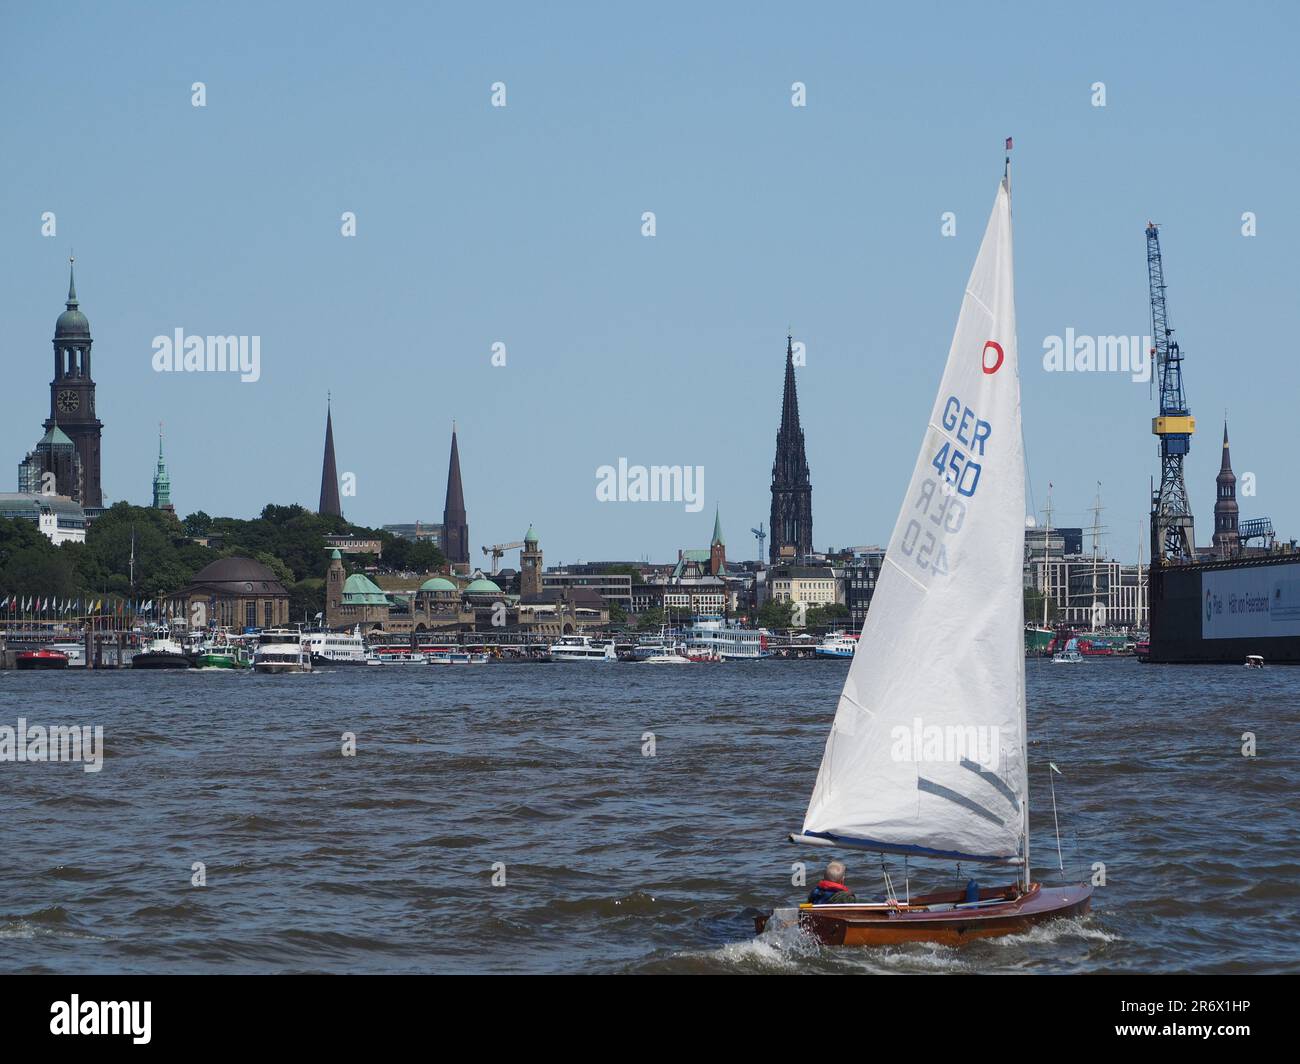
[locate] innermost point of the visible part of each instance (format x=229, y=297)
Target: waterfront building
x=690, y=595
x=1226, y=539
x=59, y=518
x=232, y=592
x=611, y=587
x=52, y=467
x=455, y=523
x=807, y=585
x=858, y=577
x=72, y=398
x=1121, y=592
x=329, y=473
x=162, y=483
x=791, y=516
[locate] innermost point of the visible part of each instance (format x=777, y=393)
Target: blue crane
x=1172, y=538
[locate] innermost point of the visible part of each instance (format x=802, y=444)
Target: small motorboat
x=1254, y=661
x=223, y=656
x=45, y=658
x=1069, y=656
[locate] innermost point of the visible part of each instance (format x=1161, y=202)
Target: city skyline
x=655, y=349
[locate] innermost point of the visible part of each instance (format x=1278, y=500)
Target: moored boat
x=45, y=658
x=581, y=648
x=223, y=656
x=282, y=650
x=836, y=645
x=161, y=652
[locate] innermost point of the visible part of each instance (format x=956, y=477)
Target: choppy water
x=614, y=862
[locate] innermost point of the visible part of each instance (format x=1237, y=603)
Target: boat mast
x=1047, y=540
x=1024, y=715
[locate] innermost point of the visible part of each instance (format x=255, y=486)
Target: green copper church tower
x=162, y=483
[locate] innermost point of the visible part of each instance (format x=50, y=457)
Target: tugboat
x=45, y=658
x=161, y=652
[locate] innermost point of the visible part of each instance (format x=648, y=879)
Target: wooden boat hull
x=875, y=925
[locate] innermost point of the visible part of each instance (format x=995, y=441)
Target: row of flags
x=77, y=606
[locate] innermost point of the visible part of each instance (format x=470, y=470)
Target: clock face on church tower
x=68, y=402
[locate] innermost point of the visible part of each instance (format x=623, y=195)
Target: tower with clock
x=72, y=394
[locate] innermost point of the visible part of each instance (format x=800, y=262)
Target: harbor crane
x=497, y=552
x=1172, y=538
x=761, y=536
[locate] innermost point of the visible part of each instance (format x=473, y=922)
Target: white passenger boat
x=397, y=657
x=282, y=650
x=337, y=648
x=836, y=645
x=581, y=648
x=712, y=637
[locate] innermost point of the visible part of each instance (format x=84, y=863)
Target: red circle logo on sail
x=997, y=352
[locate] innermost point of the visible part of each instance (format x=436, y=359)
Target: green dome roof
x=482, y=586
x=438, y=583
x=360, y=590
x=530, y=536
x=71, y=323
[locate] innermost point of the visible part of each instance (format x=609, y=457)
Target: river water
x=612, y=861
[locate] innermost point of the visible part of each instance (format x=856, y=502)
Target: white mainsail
x=927, y=752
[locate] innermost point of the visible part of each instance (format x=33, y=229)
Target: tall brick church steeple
x=72, y=394
x=791, y=486
x=1226, y=538
x=455, y=525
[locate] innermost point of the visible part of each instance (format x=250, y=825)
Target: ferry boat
x=337, y=648
x=390, y=656
x=74, y=652
x=223, y=656
x=282, y=650
x=458, y=657
x=836, y=645
x=161, y=652
x=45, y=658
x=712, y=635
x=581, y=648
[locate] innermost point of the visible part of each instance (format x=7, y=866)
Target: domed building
x=232, y=592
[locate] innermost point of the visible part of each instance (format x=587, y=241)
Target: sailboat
x=926, y=757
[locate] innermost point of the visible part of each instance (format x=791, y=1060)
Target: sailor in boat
x=832, y=890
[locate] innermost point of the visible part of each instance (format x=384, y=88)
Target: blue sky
x=522, y=225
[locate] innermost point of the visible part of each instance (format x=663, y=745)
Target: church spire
x=1227, y=537
x=329, y=473
x=72, y=284
x=455, y=526
x=162, y=483
x=791, y=515
x=717, y=529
